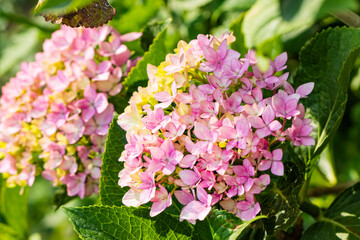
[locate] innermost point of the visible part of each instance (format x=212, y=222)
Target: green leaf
x=267, y=19
x=61, y=197
x=223, y=223
x=150, y=31
x=250, y=233
x=338, y=6
x=244, y=225
x=110, y=192
x=341, y=220
x=202, y=230
x=8, y=233
x=326, y=168
x=270, y=48
x=13, y=208
x=155, y=55
x=239, y=44
x=60, y=6
x=280, y=201
x=327, y=61
x=133, y=16
x=104, y=222
x=226, y=225
x=13, y=50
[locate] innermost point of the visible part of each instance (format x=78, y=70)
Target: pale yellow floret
x=222, y=144
x=60, y=173
x=29, y=137
x=70, y=149
x=182, y=44
x=183, y=109
x=13, y=149
x=230, y=38
x=56, y=97
x=14, y=181
x=2, y=144
x=136, y=180
x=61, y=138
x=69, y=95
x=34, y=128
x=52, y=68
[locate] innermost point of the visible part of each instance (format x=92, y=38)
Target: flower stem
x=310, y=209
x=348, y=17
x=283, y=125
x=321, y=191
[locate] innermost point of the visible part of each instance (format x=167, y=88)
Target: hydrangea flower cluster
x=207, y=130
x=55, y=113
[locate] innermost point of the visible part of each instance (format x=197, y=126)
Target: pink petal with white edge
x=277, y=154
x=189, y=177
x=115, y=90
x=101, y=102
x=102, y=77
x=195, y=210
x=162, y=96
x=89, y=92
x=264, y=165
x=183, y=197
x=201, y=131
x=256, y=122
x=131, y=198
x=188, y=161
x=157, y=208
x=305, y=89
x=263, y=132
x=268, y=114
x=106, y=116
x=250, y=213
x=202, y=195
x=280, y=61
x=265, y=179
x=87, y=113
x=274, y=125
x=130, y=36
x=175, y=157
x=307, y=141
x=277, y=168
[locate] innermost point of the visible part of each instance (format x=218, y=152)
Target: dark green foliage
x=327, y=61
x=110, y=192
x=341, y=220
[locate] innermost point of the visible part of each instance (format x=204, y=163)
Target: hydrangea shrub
x=209, y=129
x=55, y=113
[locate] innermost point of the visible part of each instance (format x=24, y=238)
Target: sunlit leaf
x=327, y=61
x=341, y=220
x=103, y=222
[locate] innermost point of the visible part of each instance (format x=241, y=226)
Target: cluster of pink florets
x=55, y=113
x=203, y=132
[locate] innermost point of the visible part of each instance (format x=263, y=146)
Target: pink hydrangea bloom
x=57, y=108
x=208, y=134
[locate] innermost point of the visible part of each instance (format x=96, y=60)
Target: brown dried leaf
x=93, y=15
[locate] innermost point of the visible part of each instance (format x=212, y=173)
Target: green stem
x=321, y=191
x=311, y=209
x=304, y=190
x=348, y=17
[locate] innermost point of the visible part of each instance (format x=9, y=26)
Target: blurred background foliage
x=269, y=26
